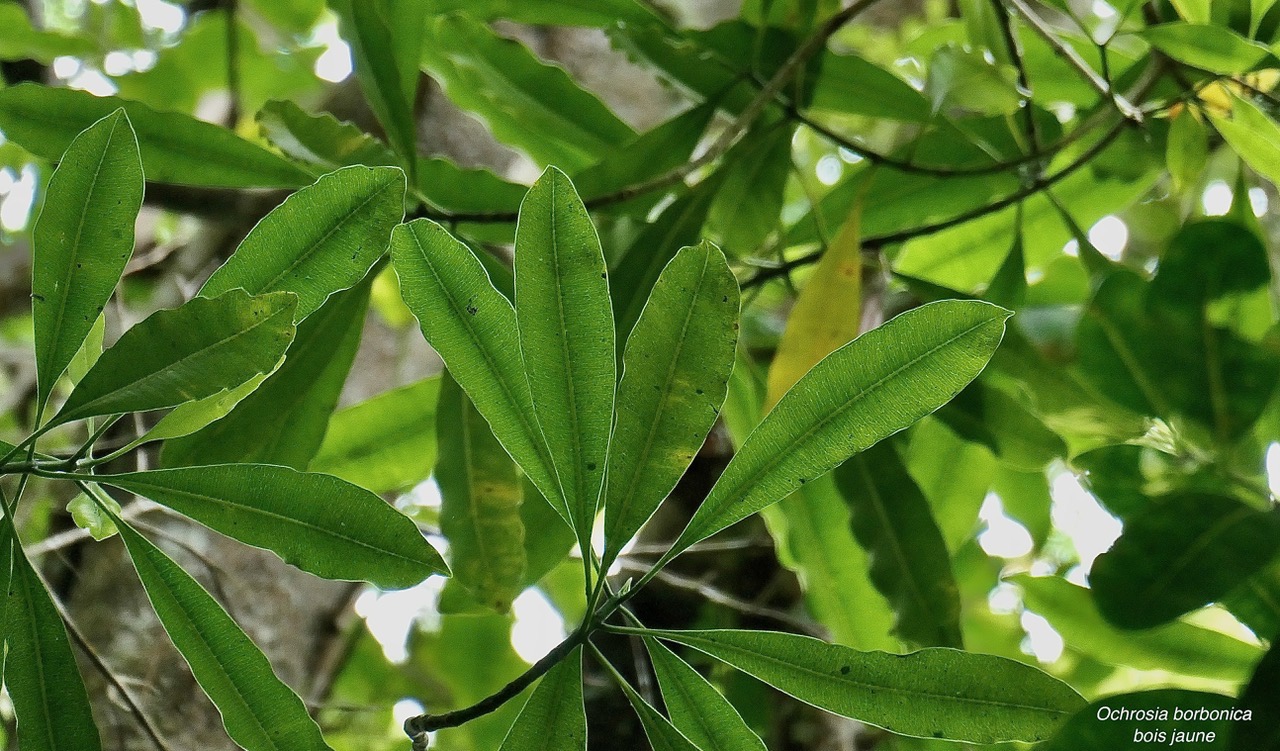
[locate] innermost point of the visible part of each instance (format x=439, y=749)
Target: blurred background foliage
x=1104, y=168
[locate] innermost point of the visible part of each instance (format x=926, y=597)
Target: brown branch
x=766, y=96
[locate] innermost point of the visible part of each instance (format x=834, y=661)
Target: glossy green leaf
x=40, y=672
x=1262, y=697
x=320, y=524
x=1182, y=552
x=910, y=564
x=867, y=390
x=554, y=718
x=1176, y=647
x=385, y=444
x=696, y=708
x=675, y=375
x=284, y=420
x=933, y=693
x=473, y=327
x=1099, y=727
x=565, y=322
x=1251, y=134
x=1210, y=47
x=82, y=241
x=386, y=37
x=258, y=710
x=322, y=141
x=481, y=495
x=175, y=148
x=556, y=122
x=322, y=239
x=190, y=352
x=750, y=201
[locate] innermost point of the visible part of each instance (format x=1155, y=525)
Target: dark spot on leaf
x=844, y=670
x=472, y=309
x=699, y=391
x=724, y=299
x=591, y=466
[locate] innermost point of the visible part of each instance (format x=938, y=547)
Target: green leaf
x=258, y=710
x=322, y=239
x=175, y=148
x=20, y=40
x=662, y=735
x=1184, y=551
x=675, y=375
x=813, y=537
x=386, y=37
x=191, y=417
x=554, y=718
x=385, y=444
x=653, y=153
x=82, y=241
x=88, y=516
x=482, y=494
x=867, y=390
x=565, y=322
x=964, y=79
x=1090, y=730
x=933, y=693
x=527, y=104
x=1262, y=697
x=321, y=141
x=473, y=327
x=1187, y=150
x=1176, y=647
x=547, y=12
x=696, y=708
x=186, y=353
x=632, y=278
x=910, y=564
x=298, y=16
x=318, y=523
x=848, y=84
x=1210, y=47
x=1250, y=133
x=748, y=206
x=284, y=420
x=989, y=416
x=48, y=695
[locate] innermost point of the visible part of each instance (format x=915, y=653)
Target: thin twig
x=1026, y=191
x=1024, y=83
x=766, y=96
x=1067, y=53
x=101, y=665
